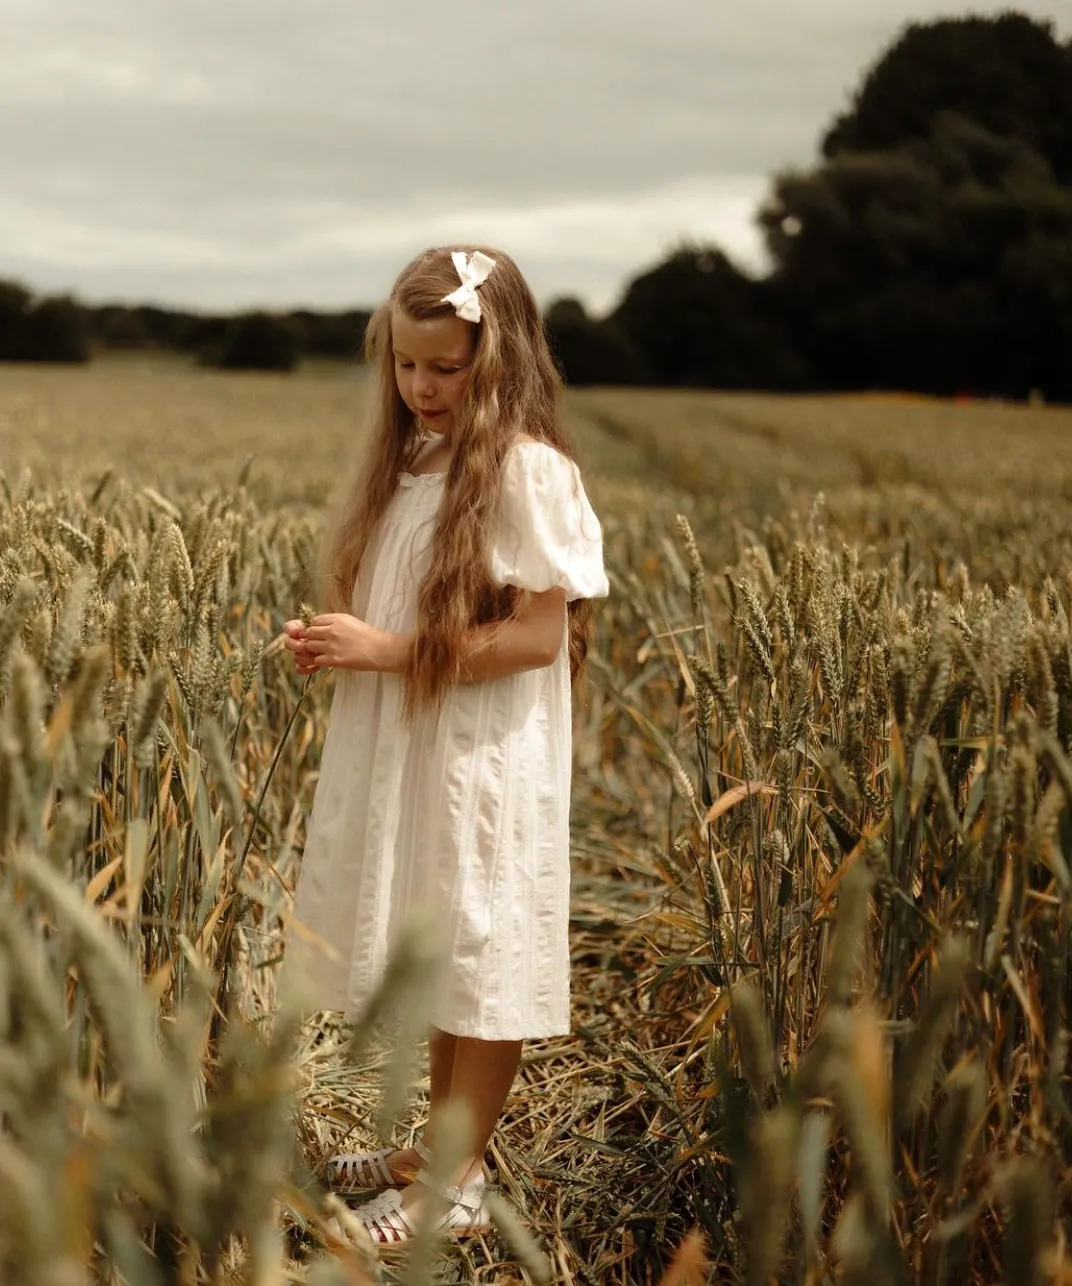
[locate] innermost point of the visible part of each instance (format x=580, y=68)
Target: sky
x=224, y=154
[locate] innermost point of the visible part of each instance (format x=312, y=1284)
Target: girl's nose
x=426, y=386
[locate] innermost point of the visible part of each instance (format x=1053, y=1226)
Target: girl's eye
x=440, y=370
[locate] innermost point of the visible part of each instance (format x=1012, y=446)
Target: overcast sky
x=227, y=153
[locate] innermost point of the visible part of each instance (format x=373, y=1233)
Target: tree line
x=60, y=329
x=929, y=249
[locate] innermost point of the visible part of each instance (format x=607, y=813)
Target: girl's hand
x=344, y=642
x=295, y=641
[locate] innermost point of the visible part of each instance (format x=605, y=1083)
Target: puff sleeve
x=547, y=535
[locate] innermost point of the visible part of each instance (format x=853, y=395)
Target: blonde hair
x=513, y=391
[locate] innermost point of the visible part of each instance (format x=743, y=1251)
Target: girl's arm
x=528, y=641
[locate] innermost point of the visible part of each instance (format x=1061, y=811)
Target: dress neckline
x=429, y=442
x=410, y=479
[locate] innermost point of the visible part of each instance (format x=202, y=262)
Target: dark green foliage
x=1008, y=74
x=14, y=305
x=590, y=351
x=204, y=337
x=121, y=326
x=944, y=265
x=700, y=322
x=147, y=326
x=331, y=335
x=257, y=342
x=52, y=329
x=114, y=326
x=933, y=249
x=164, y=327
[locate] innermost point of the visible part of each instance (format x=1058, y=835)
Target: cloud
x=332, y=254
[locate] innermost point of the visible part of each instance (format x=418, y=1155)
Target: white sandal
x=388, y=1224
x=368, y=1171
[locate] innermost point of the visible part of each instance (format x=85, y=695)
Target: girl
x=445, y=778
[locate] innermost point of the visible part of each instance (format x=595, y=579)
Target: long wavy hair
x=513, y=391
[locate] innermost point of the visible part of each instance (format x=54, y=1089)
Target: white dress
x=467, y=816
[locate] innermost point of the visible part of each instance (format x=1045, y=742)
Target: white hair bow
x=474, y=270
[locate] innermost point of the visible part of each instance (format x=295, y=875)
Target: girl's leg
x=441, y=1052
x=482, y=1074
x=405, y=1162
x=484, y=1071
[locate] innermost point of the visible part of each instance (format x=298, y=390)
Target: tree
x=589, y=351
x=895, y=272
x=116, y=326
x=204, y=337
x=696, y=320
x=15, y=302
x=257, y=341
x=169, y=328
x=938, y=257
x=55, y=330
x=331, y=335
x=1008, y=74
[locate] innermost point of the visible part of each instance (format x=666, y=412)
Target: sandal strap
x=369, y=1168
x=470, y=1197
x=386, y=1220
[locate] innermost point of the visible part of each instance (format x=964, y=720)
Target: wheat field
x=822, y=850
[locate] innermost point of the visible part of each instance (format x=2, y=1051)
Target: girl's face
x=432, y=362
